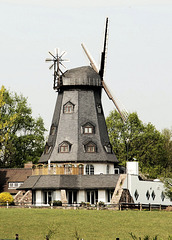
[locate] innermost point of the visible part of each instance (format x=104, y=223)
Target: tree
x=167, y=133
x=135, y=140
x=24, y=135
x=168, y=187
x=5, y=123
x=6, y=197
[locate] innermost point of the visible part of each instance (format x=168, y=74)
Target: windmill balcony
x=58, y=169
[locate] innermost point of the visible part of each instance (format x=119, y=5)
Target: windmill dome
x=81, y=76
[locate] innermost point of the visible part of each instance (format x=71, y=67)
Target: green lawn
x=90, y=224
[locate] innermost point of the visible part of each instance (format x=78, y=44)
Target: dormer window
x=52, y=130
x=99, y=108
x=64, y=147
x=47, y=149
x=108, y=148
x=90, y=147
x=68, y=107
x=88, y=128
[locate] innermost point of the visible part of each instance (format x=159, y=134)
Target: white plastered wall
x=143, y=188
x=101, y=168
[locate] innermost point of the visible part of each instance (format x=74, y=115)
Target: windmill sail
x=103, y=56
x=123, y=113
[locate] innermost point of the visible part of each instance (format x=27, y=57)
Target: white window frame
x=14, y=185
x=89, y=169
x=68, y=108
x=90, y=147
x=64, y=147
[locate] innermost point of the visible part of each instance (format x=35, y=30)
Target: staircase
x=118, y=190
x=22, y=198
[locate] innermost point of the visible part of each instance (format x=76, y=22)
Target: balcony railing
x=58, y=169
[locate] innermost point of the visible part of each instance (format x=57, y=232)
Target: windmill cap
x=81, y=76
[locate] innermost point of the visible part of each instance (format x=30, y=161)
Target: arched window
x=89, y=169
x=90, y=147
x=64, y=147
x=68, y=107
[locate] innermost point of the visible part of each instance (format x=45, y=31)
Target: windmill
x=57, y=63
x=123, y=113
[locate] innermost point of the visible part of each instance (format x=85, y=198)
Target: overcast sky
x=139, y=58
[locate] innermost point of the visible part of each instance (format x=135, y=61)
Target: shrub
x=85, y=204
x=4, y=197
x=56, y=203
x=101, y=204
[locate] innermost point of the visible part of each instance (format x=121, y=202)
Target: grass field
x=90, y=224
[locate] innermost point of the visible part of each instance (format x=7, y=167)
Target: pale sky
x=139, y=57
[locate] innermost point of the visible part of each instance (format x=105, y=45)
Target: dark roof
x=81, y=76
x=13, y=175
x=104, y=181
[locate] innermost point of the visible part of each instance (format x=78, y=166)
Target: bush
x=101, y=204
x=6, y=197
x=57, y=203
x=85, y=204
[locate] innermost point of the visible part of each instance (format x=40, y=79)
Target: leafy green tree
x=5, y=123
x=167, y=133
x=168, y=187
x=25, y=138
x=135, y=140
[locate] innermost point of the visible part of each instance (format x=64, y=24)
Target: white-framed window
x=14, y=185
x=88, y=128
x=92, y=196
x=89, y=169
x=68, y=108
x=64, y=147
x=47, y=197
x=90, y=147
x=109, y=194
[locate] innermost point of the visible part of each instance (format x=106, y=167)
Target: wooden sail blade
x=92, y=62
x=123, y=114
x=103, y=55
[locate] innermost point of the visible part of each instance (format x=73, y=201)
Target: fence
x=98, y=206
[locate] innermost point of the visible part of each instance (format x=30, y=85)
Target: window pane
x=45, y=198
x=64, y=148
x=87, y=169
x=92, y=197
x=91, y=170
x=107, y=169
x=68, y=108
x=88, y=196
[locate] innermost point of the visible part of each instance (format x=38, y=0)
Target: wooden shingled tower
x=78, y=132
